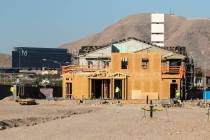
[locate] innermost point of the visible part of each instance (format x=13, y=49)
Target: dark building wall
x=29, y=92
x=23, y=57
x=5, y=91
x=34, y=92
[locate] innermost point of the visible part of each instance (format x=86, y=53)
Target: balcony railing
x=172, y=70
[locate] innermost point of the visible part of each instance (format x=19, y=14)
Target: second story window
x=90, y=64
x=145, y=63
x=124, y=63
x=105, y=64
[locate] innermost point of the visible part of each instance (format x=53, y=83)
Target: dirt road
x=112, y=122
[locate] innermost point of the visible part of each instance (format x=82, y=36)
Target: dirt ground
x=65, y=120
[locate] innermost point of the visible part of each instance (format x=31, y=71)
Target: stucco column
x=123, y=88
x=126, y=88
x=113, y=88
x=90, y=88
x=110, y=88
x=64, y=88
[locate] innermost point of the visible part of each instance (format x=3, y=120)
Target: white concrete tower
x=157, y=29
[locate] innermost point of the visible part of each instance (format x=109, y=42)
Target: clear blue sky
x=50, y=23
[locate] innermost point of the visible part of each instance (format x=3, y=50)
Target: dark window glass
x=124, y=63
x=90, y=64
x=145, y=63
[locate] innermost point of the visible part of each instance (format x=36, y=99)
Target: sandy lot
x=67, y=121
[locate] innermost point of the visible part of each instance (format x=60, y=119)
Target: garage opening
x=100, y=89
x=118, y=89
x=173, y=88
x=106, y=89
x=69, y=90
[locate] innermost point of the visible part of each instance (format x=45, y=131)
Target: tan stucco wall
x=144, y=82
x=141, y=82
x=80, y=85
x=165, y=87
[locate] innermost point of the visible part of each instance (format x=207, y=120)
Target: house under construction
x=126, y=69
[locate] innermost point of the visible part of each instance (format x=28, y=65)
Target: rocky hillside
x=192, y=33
x=5, y=60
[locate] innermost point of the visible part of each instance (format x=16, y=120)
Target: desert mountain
x=5, y=60
x=192, y=33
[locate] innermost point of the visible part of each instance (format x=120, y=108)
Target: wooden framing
x=103, y=76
